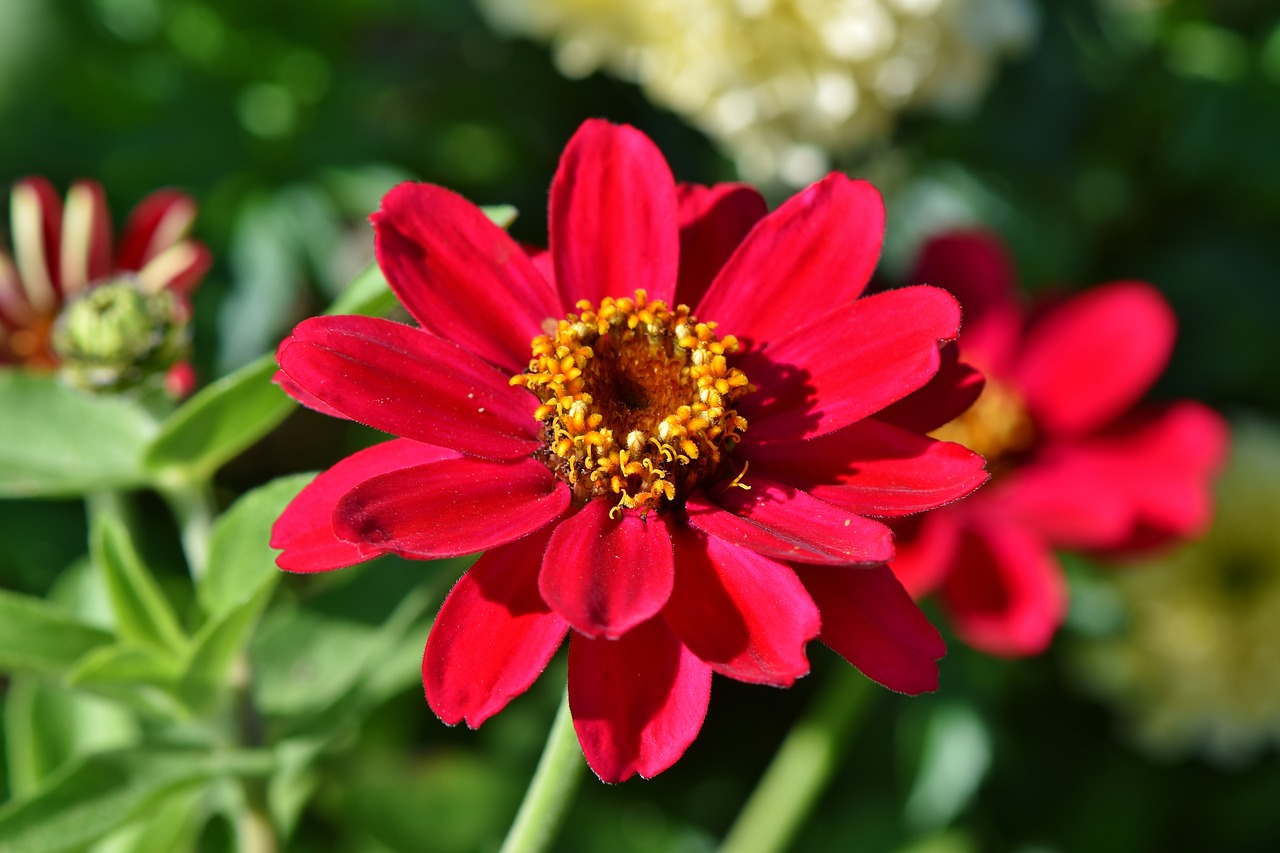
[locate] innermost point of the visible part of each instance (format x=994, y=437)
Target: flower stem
x=801, y=768
x=192, y=505
x=550, y=791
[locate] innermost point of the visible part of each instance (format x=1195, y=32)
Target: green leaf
x=46, y=725
x=137, y=677
x=241, y=559
x=60, y=441
x=367, y=294
x=330, y=660
x=102, y=792
x=237, y=584
x=39, y=637
x=218, y=423
x=142, y=613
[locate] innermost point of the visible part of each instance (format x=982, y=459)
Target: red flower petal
x=493, y=637
x=746, y=615
x=86, y=237
x=410, y=383
x=926, y=546
x=852, y=363
x=637, y=702
x=605, y=576
x=976, y=268
x=816, y=251
x=1005, y=595
x=613, y=216
x=451, y=508
x=1061, y=498
x=159, y=221
x=36, y=220
x=294, y=390
x=305, y=529
x=713, y=221
x=870, y=621
x=1091, y=358
x=462, y=277
x=952, y=390
x=873, y=468
x=1147, y=479
x=785, y=523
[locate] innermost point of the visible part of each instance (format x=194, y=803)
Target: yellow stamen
x=639, y=394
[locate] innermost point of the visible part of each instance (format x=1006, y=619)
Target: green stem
x=192, y=506
x=550, y=791
x=801, y=768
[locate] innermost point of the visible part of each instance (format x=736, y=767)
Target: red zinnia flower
x=608, y=476
x=60, y=252
x=1072, y=465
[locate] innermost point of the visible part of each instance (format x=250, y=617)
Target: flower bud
x=117, y=335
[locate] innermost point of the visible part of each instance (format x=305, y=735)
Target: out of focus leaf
x=237, y=584
x=142, y=613
x=47, y=725
x=39, y=637
x=241, y=559
x=218, y=423
x=956, y=757
x=60, y=441
x=102, y=792
x=322, y=662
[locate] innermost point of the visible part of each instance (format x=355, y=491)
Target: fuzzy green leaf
x=60, y=441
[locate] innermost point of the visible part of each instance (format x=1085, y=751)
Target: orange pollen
x=995, y=426
x=637, y=401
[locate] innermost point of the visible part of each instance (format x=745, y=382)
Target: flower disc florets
x=637, y=400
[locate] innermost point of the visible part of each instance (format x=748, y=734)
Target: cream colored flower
x=1197, y=667
x=782, y=83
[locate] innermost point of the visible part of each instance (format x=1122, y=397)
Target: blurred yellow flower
x=1197, y=667
x=782, y=84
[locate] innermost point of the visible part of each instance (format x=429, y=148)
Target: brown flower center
x=996, y=426
x=637, y=400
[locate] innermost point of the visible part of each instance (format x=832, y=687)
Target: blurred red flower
x=62, y=251
x=686, y=501
x=1074, y=464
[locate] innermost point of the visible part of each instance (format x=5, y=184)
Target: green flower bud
x=117, y=335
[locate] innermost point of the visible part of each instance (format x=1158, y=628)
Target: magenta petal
x=976, y=268
x=156, y=223
x=1006, y=595
x=637, y=702
x=746, y=615
x=851, y=364
x=613, y=216
x=294, y=390
x=788, y=524
x=953, y=389
x=1064, y=501
x=493, y=636
x=462, y=277
x=410, y=383
x=605, y=575
x=926, y=548
x=305, y=529
x=1091, y=358
x=870, y=621
x=873, y=468
x=451, y=508
x=815, y=252
x=713, y=221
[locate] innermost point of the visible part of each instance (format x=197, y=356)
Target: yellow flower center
x=637, y=400
x=995, y=426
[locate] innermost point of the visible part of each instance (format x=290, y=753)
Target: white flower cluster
x=782, y=84
x=1197, y=666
